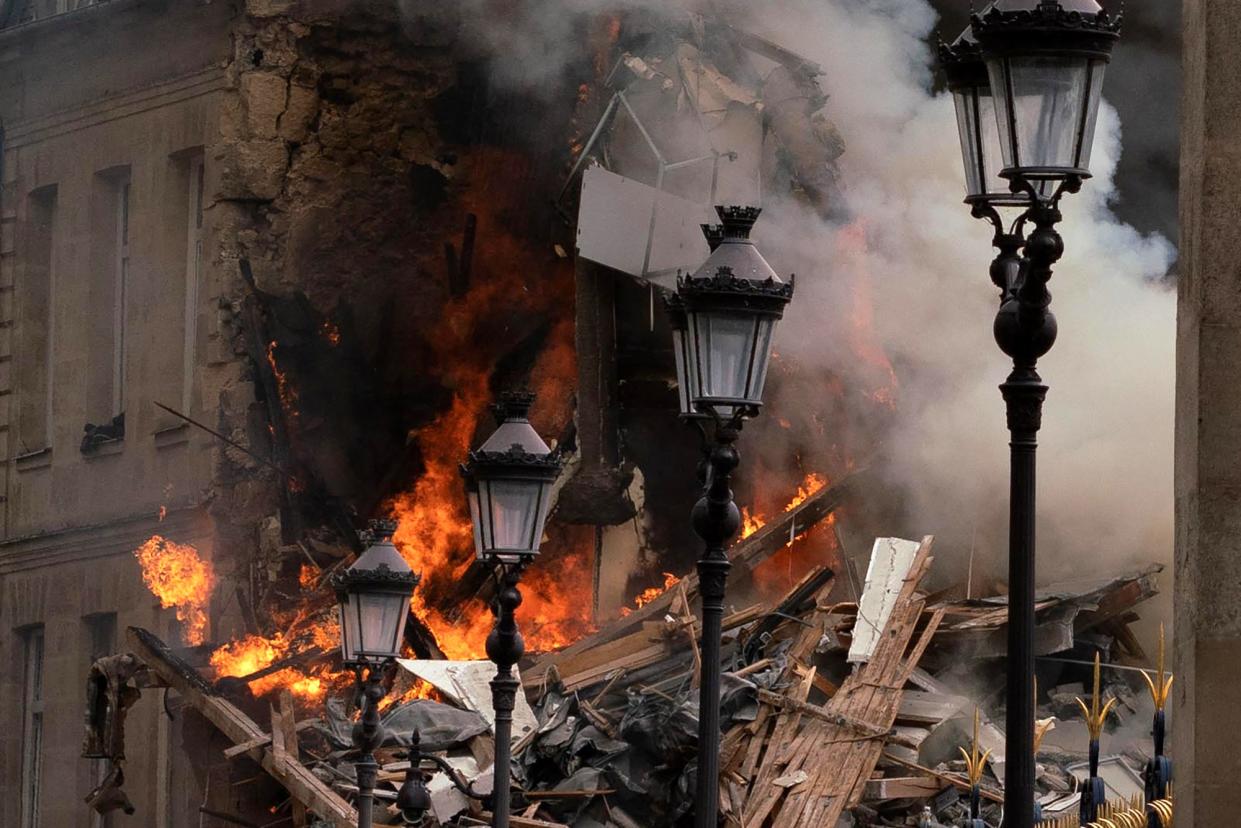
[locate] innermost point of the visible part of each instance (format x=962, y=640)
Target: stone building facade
x=146, y=148
x=106, y=306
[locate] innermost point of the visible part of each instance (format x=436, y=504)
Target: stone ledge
x=31, y=460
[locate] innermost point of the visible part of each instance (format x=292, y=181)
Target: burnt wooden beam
x=746, y=555
x=297, y=779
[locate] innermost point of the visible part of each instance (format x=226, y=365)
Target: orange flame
x=253, y=653
x=750, y=523
x=288, y=394
x=179, y=577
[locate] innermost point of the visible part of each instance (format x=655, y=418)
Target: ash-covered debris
x=609, y=739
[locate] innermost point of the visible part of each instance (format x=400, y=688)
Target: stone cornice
x=124, y=105
x=121, y=536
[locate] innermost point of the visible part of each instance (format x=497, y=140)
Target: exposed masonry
x=325, y=144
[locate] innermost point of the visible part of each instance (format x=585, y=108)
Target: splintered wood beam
x=284, y=723
x=297, y=779
x=746, y=555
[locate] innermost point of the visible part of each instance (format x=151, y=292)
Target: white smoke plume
x=1105, y=466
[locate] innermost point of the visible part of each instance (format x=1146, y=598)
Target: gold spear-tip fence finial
x=975, y=762
x=1132, y=814
x=1096, y=713
x=1041, y=726
x=1160, y=686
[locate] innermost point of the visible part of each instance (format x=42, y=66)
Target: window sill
x=177, y=435
x=107, y=449
x=31, y=460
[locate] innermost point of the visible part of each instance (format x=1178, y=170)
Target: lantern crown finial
x=514, y=406
x=737, y=220
x=380, y=530
x=714, y=234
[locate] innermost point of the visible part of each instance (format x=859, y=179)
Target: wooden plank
x=903, y=787
x=240, y=728
x=836, y=760
x=287, y=729
x=746, y=554
x=263, y=741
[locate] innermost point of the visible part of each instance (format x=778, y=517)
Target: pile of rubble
x=833, y=713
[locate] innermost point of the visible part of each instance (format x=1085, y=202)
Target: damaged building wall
x=102, y=139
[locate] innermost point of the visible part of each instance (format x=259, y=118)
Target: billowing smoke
x=1106, y=445
x=908, y=251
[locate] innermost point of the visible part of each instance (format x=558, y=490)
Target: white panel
x=467, y=684
x=890, y=560
x=615, y=229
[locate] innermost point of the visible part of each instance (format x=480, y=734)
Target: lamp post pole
x=508, y=485
x=505, y=648
x=1023, y=147
x=368, y=735
x=1025, y=330
x=723, y=319
x=716, y=520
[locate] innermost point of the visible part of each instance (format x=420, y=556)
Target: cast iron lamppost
x=723, y=319
x=1037, y=67
x=508, y=483
x=374, y=598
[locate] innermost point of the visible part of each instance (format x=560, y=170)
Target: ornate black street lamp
x=1044, y=62
x=508, y=483
x=374, y=596
x=723, y=319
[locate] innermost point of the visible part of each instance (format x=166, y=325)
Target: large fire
x=254, y=653
x=180, y=578
x=476, y=332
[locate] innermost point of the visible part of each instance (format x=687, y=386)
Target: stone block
x=265, y=96
x=268, y=8
x=253, y=170
x=300, y=112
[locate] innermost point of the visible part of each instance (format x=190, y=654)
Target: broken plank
x=903, y=787
x=262, y=741
x=237, y=726
x=286, y=726
x=748, y=554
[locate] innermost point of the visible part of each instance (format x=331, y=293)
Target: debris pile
x=833, y=712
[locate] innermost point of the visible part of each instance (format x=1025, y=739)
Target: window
x=120, y=295
x=107, y=359
x=193, y=275
x=32, y=723
x=34, y=316
x=100, y=640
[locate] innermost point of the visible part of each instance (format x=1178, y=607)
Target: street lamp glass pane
x=762, y=356
x=1095, y=95
x=728, y=348
x=684, y=383
x=348, y=629
x=966, y=101
x=1040, y=109
x=479, y=549
x=980, y=141
x=545, y=499
x=514, y=510
x=382, y=620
